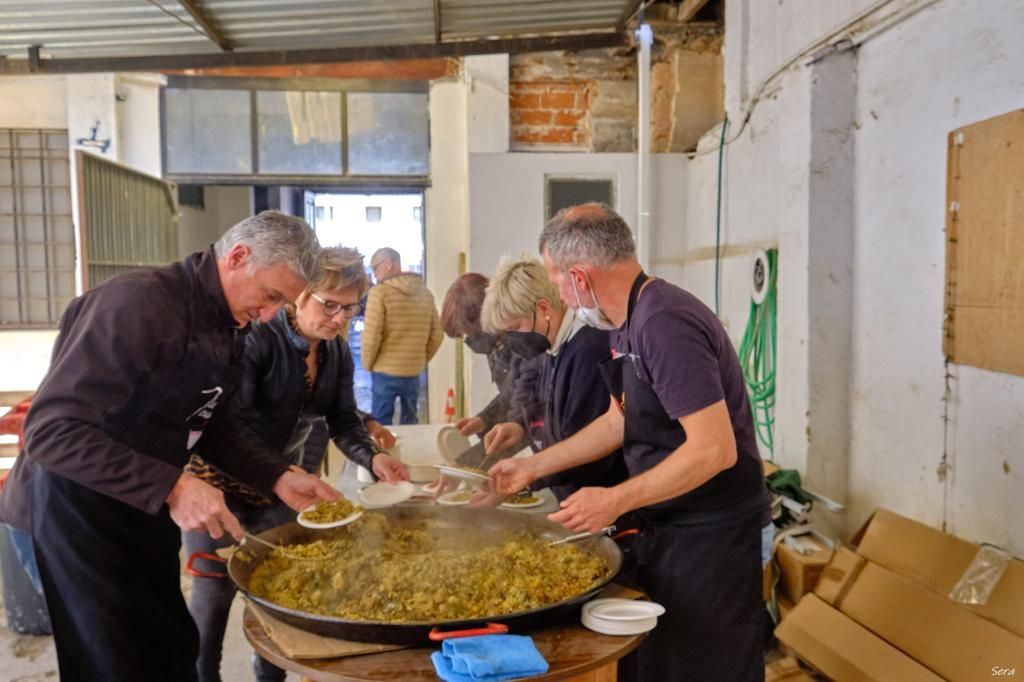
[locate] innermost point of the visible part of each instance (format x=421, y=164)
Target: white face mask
x=592, y=317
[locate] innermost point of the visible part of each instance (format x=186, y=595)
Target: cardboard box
x=929, y=627
x=841, y=649
x=838, y=576
x=895, y=587
x=937, y=560
x=798, y=573
x=785, y=607
x=785, y=669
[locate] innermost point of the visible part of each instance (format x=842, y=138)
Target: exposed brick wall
x=588, y=100
x=573, y=100
x=549, y=113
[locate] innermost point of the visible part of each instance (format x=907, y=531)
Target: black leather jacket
x=273, y=394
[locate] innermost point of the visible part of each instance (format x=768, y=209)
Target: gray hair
x=513, y=293
x=591, y=234
x=272, y=238
x=386, y=254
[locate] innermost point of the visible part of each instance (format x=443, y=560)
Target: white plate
x=611, y=627
x=623, y=609
x=451, y=499
x=456, y=472
x=330, y=524
x=451, y=443
x=386, y=494
x=530, y=505
x=621, y=616
x=431, y=488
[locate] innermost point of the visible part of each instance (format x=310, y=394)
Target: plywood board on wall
x=985, y=245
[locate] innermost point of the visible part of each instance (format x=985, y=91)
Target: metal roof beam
x=208, y=25
x=584, y=41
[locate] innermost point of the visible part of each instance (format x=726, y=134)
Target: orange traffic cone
x=449, y=406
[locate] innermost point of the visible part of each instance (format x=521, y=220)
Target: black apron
x=704, y=567
x=111, y=571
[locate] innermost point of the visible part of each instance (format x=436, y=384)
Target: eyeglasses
x=332, y=308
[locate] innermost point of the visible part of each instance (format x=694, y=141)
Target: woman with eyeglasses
x=297, y=372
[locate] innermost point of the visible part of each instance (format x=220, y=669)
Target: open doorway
x=369, y=222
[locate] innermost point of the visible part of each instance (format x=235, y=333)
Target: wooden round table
x=573, y=652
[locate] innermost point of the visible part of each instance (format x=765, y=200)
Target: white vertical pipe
x=643, y=174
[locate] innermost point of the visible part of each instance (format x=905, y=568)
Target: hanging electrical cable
x=757, y=350
x=718, y=210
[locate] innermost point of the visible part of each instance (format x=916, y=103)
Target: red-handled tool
x=193, y=571
x=437, y=635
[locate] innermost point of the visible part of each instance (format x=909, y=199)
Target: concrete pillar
x=831, y=226
x=486, y=79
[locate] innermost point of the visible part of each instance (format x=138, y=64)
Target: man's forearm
x=598, y=439
x=686, y=469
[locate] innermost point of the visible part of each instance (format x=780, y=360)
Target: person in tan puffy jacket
x=402, y=333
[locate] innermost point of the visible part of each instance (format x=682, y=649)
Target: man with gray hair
x=680, y=413
x=142, y=374
x=402, y=332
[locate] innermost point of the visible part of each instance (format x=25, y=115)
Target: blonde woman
x=559, y=385
x=297, y=371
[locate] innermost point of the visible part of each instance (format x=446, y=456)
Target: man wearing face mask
x=563, y=354
x=681, y=415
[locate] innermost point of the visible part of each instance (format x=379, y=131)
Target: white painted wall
x=76, y=103
x=223, y=206
x=948, y=64
x=33, y=102
x=953, y=64
x=506, y=209
x=446, y=218
x=138, y=116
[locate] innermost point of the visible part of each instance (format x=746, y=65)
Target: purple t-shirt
x=685, y=354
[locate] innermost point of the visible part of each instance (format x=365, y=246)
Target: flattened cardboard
x=800, y=572
x=937, y=560
x=935, y=631
x=841, y=649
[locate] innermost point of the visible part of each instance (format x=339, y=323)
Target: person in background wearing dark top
x=460, y=318
x=297, y=370
x=144, y=371
x=560, y=363
x=681, y=415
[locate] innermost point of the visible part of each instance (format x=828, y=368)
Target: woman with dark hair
x=460, y=318
x=297, y=374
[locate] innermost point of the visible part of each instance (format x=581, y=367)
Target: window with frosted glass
x=299, y=132
x=388, y=133
x=208, y=131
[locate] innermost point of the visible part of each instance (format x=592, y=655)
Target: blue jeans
x=386, y=388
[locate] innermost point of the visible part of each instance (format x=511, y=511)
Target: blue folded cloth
x=488, y=658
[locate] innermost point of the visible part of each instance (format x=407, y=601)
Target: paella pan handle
x=437, y=635
x=195, y=572
x=626, y=533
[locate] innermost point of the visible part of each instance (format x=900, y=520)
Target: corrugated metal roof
x=124, y=28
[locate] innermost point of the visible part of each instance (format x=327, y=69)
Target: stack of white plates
x=621, y=616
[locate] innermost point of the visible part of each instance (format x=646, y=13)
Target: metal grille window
x=129, y=219
x=37, y=239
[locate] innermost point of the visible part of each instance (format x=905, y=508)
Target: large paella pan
x=266, y=576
